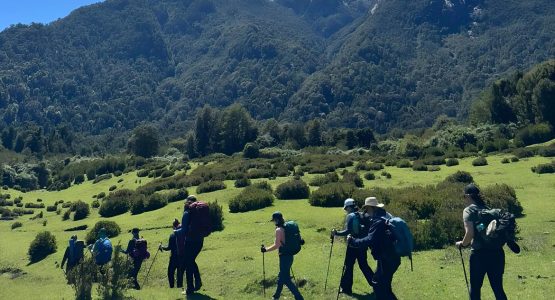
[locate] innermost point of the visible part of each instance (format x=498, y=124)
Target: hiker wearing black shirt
x=176, y=260
x=382, y=249
x=73, y=254
x=483, y=260
x=193, y=246
x=354, y=226
x=137, y=261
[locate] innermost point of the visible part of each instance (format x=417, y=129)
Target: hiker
x=285, y=256
x=483, y=260
x=195, y=226
x=102, y=248
x=356, y=227
x=73, y=254
x=176, y=262
x=382, y=249
x=137, y=251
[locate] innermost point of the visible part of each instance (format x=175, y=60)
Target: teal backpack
x=292, y=244
x=402, y=238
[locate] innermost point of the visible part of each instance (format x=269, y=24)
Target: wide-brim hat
x=372, y=201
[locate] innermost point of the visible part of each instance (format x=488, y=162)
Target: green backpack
x=292, y=244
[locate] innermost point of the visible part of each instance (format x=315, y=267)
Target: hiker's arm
x=280, y=238
x=170, y=243
x=372, y=237
x=130, y=247
x=184, y=223
x=468, y=236
x=348, y=226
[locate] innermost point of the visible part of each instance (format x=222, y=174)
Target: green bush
x=533, y=134
x=434, y=161
x=460, y=177
x=112, y=188
x=263, y=185
x=112, y=230
x=523, y=153
x=452, y=162
x=434, y=168
x=376, y=166
x=34, y=205
x=16, y=225
x=216, y=216
x=101, y=195
x=81, y=209
x=480, y=161
x=293, y=189
x=386, y=174
x=102, y=177
x=504, y=197
x=544, y=168
x=155, y=201
x=331, y=194
x=353, y=178
x=242, y=182
x=79, y=178
x=547, y=151
x=515, y=159
x=419, y=166
x=51, y=208
x=505, y=160
x=404, y=163
x=210, y=186
x=95, y=203
x=251, y=198
x=320, y=180
x=370, y=176
x=137, y=204
x=66, y=215
x=251, y=150
x=43, y=245
x=178, y=195
x=143, y=173
x=362, y=166
x=116, y=203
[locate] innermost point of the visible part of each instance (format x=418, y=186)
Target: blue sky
x=39, y=11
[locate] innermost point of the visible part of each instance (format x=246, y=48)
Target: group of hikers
x=370, y=227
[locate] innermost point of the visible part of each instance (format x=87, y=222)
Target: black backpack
x=496, y=227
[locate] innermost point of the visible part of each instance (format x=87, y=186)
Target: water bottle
x=480, y=227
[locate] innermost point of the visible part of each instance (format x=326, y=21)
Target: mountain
x=108, y=67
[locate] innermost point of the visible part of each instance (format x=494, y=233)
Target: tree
x=144, y=141
x=314, y=133
x=237, y=129
x=206, y=125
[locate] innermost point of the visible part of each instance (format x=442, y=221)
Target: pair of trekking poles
x=328, y=271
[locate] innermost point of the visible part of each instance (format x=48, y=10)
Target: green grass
x=231, y=263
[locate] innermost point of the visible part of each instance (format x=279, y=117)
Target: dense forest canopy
x=99, y=73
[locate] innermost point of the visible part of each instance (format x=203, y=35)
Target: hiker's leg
x=477, y=273
x=283, y=272
x=172, y=266
x=495, y=274
x=384, y=276
x=288, y=262
x=347, y=279
x=189, y=265
x=393, y=266
x=180, y=261
x=362, y=259
x=137, y=263
x=196, y=272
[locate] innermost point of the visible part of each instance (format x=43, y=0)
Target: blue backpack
x=103, y=249
x=402, y=239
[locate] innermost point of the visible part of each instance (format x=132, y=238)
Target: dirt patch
x=12, y=273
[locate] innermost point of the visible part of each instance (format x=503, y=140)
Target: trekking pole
x=294, y=278
x=464, y=269
x=329, y=261
x=148, y=272
x=343, y=271
x=263, y=273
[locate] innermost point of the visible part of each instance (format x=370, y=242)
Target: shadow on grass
x=198, y=296
x=363, y=297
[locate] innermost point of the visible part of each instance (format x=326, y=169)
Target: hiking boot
x=346, y=292
x=198, y=286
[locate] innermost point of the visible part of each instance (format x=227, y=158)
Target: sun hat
x=372, y=201
x=349, y=202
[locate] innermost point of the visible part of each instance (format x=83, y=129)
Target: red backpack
x=141, y=250
x=200, y=225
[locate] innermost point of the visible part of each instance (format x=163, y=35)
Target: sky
x=38, y=11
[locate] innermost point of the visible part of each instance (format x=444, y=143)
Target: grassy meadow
x=231, y=263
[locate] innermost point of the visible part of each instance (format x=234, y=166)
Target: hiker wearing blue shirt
x=354, y=226
x=381, y=246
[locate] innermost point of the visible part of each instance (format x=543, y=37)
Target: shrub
x=34, y=205
x=216, y=216
x=112, y=188
x=112, y=230
x=505, y=160
x=434, y=168
x=533, y=134
x=434, y=161
x=167, y=173
x=362, y=166
x=79, y=178
x=404, y=163
x=142, y=173
x=331, y=194
x=178, y=195
x=251, y=150
x=66, y=215
x=16, y=225
x=81, y=209
x=242, y=182
x=116, y=203
x=386, y=174
x=263, y=185
x=95, y=203
x=544, y=168
x=452, y=162
x=419, y=166
x=370, y=176
x=251, y=198
x=320, y=180
x=155, y=201
x=515, y=159
x=101, y=195
x=523, y=153
x=480, y=161
x=118, y=173
x=504, y=197
x=547, y=151
x=137, y=204
x=102, y=177
x=353, y=178
x=210, y=186
x=460, y=177
x=376, y=166
x=293, y=189
x=113, y=282
x=43, y=245
x=77, y=228
x=51, y=208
